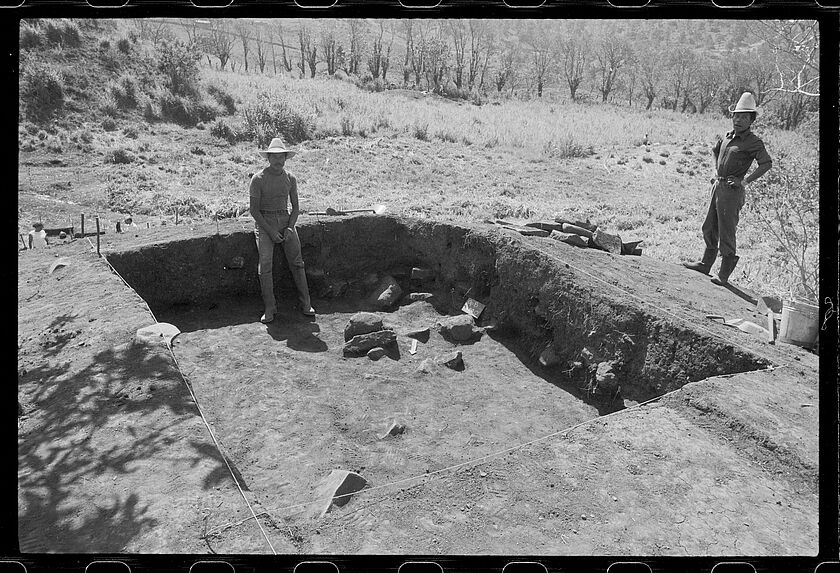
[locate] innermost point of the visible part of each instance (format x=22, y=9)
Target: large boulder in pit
x=387, y=293
x=362, y=323
x=459, y=328
x=361, y=343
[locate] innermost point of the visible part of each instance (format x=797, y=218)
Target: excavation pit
x=289, y=407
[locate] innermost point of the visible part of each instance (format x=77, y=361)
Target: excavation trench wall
x=531, y=298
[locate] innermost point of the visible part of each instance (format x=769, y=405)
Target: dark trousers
x=722, y=218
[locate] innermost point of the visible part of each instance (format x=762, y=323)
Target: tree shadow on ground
x=72, y=437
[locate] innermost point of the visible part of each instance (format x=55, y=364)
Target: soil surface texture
x=500, y=456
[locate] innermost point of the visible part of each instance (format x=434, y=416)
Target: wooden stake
x=22, y=241
x=217, y=224
x=97, y=237
x=771, y=327
x=83, y=224
x=176, y=215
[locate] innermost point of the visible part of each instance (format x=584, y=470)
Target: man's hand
x=277, y=237
x=735, y=181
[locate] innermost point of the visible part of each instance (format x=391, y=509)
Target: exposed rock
x=422, y=274
x=548, y=357
x=570, y=238
x=418, y=296
x=361, y=343
x=453, y=360
x=605, y=377
x=427, y=366
x=608, y=242
x=362, y=323
x=394, y=430
x=336, y=490
x=376, y=353
x=161, y=332
x=418, y=332
x=387, y=293
x=460, y=327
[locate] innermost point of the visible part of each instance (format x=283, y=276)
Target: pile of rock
x=578, y=233
x=364, y=335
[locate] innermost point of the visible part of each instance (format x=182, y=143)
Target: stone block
x=376, y=353
x=362, y=323
x=459, y=328
x=453, y=360
x=419, y=296
x=548, y=357
x=387, y=293
x=608, y=242
x=336, y=490
x=361, y=343
x=605, y=377
x=395, y=429
x=570, y=238
x=161, y=332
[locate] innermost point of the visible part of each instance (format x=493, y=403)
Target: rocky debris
x=376, y=353
x=605, y=379
x=394, y=430
x=570, y=238
x=361, y=343
x=418, y=332
x=157, y=333
x=336, y=490
x=453, y=360
x=235, y=263
x=387, y=293
x=521, y=229
x=362, y=323
x=418, y=296
x=60, y=263
x=419, y=274
x=548, y=357
x=460, y=328
x=546, y=225
x=589, y=226
x=608, y=242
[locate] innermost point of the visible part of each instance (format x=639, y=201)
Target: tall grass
x=541, y=128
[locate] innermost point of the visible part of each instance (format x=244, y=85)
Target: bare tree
x=308, y=51
x=574, y=52
x=261, y=51
x=386, y=55
x=612, y=53
x=761, y=71
x=458, y=31
x=242, y=31
x=650, y=70
x=708, y=84
x=376, y=56
x=795, y=45
x=329, y=47
x=481, y=46
x=506, y=69
x=542, y=59
x=219, y=42
x=437, y=62
x=681, y=66
x=357, y=27
x=191, y=28
x=287, y=61
x=408, y=29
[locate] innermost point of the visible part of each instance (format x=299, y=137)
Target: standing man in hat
x=733, y=156
x=272, y=189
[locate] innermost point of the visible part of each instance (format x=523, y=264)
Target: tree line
x=577, y=59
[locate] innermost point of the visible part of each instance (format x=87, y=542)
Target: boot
x=727, y=265
x=299, y=274
x=705, y=264
x=267, y=289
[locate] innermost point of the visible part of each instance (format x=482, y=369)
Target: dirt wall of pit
x=532, y=298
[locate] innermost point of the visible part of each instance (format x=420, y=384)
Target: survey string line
x=487, y=457
x=200, y=412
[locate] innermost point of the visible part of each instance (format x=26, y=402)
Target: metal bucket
x=800, y=323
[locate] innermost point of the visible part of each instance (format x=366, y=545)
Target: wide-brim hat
x=745, y=104
x=277, y=146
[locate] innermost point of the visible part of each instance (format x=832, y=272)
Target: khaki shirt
x=735, y=154
x=272, y=189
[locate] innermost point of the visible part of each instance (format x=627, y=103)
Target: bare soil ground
x=497, y=459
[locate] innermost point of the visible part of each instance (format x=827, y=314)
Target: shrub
x=224, y=131
x=105, y=45
x=347, y=126
x=130, y=132
x=70, y=35
x=179, y=63
x=42, y=90
x=446, y=135
x=125, y=92
x=53, y=33
x=108, y=124
x=222, y=97
x=421, y=131
x=109, y=106
x=151, y=110
x=566, y=148
x=124, y=45
x=121, y=156
x=29, y=36
x=271, y=115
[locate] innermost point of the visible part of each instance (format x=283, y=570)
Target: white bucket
x=800, y=323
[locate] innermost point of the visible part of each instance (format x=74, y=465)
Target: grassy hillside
x=120, y=136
